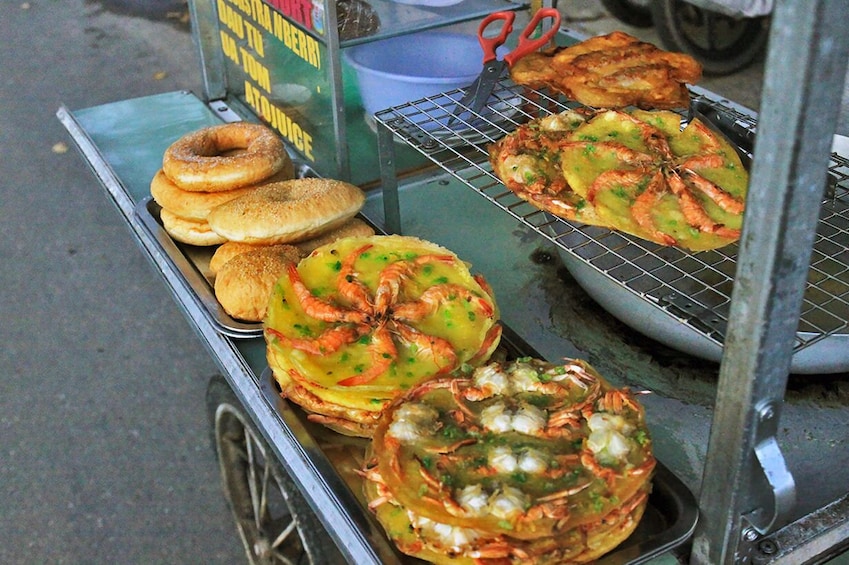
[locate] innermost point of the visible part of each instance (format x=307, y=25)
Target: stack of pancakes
x=526, y=462
x=343, y=360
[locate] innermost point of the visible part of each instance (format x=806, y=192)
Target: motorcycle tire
x=722, y=44
x=632, y=12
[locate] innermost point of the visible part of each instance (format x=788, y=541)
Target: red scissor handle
x=527, y=44
x=490, y=44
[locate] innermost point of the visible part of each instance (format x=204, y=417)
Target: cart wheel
x=275, y=523
x=722, y=44
x=635, y=13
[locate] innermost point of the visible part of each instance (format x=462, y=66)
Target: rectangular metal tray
x=192, y=262
x=667, y=524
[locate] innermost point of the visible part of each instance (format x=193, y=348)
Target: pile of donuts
x=233, y=186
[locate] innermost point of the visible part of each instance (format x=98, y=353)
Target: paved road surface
x=104, y=449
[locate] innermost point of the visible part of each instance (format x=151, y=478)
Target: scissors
x=479, y=91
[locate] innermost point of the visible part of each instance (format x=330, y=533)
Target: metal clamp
x=774, y=486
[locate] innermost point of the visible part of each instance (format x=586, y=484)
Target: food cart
x=747, y=397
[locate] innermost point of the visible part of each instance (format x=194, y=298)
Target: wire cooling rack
x=693, y=288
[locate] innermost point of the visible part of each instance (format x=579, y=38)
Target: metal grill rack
x=690, y=288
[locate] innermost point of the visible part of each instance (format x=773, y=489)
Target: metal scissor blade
x=479, y=91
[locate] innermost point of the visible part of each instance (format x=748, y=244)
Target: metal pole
x=204, y=18
x=746, y=489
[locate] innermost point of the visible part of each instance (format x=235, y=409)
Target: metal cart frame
x=747, y=494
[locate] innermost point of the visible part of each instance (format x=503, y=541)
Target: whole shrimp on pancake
x=638, y=172
x=360, y=320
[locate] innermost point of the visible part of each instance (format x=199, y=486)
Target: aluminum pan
x=681, y=300
x=656, y=318
x=193, y=264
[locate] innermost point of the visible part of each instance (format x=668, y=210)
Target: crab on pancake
x=638, y=172
x=454, y=545
x=525, y=450
x=362, y=319
x=513, y=460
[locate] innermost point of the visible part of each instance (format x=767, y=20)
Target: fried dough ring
x=195, y=205
x=225, y=157
x=186, y=230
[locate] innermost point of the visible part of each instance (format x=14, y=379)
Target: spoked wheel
x=722, y=44
x=276, y=525
x=636, y=13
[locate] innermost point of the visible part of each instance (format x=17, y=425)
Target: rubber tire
x=722, y=44
x=245, y=460
x=633, y=13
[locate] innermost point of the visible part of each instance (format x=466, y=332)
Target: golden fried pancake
x=612, y=71
x=537, y=462
x=227, y=251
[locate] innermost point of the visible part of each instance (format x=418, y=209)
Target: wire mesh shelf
x=693, y=288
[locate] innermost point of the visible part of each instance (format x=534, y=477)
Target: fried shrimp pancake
x=362, y=319
x=612, y=71
x=637, y=172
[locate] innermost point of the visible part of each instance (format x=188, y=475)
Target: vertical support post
x=207, y=40
x=388, y=179
x=805, y=69
x=337, y=94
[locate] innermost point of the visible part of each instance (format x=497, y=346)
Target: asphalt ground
x=105, y=454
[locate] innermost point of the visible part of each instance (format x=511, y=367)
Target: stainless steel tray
x=679, y=298
x=667, y=524
x=192, y=262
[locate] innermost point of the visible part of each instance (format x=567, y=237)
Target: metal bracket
x=701, y=318
x=223, y=110
x=773, y=490
x=774, y=487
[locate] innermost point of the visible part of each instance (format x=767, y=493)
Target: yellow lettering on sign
x=261, y=14
x=229, y=47
x=231, y=19
x=255, y=39
x=279, y=121
x=243, y=5
x=254, y=69
x=301, y=44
